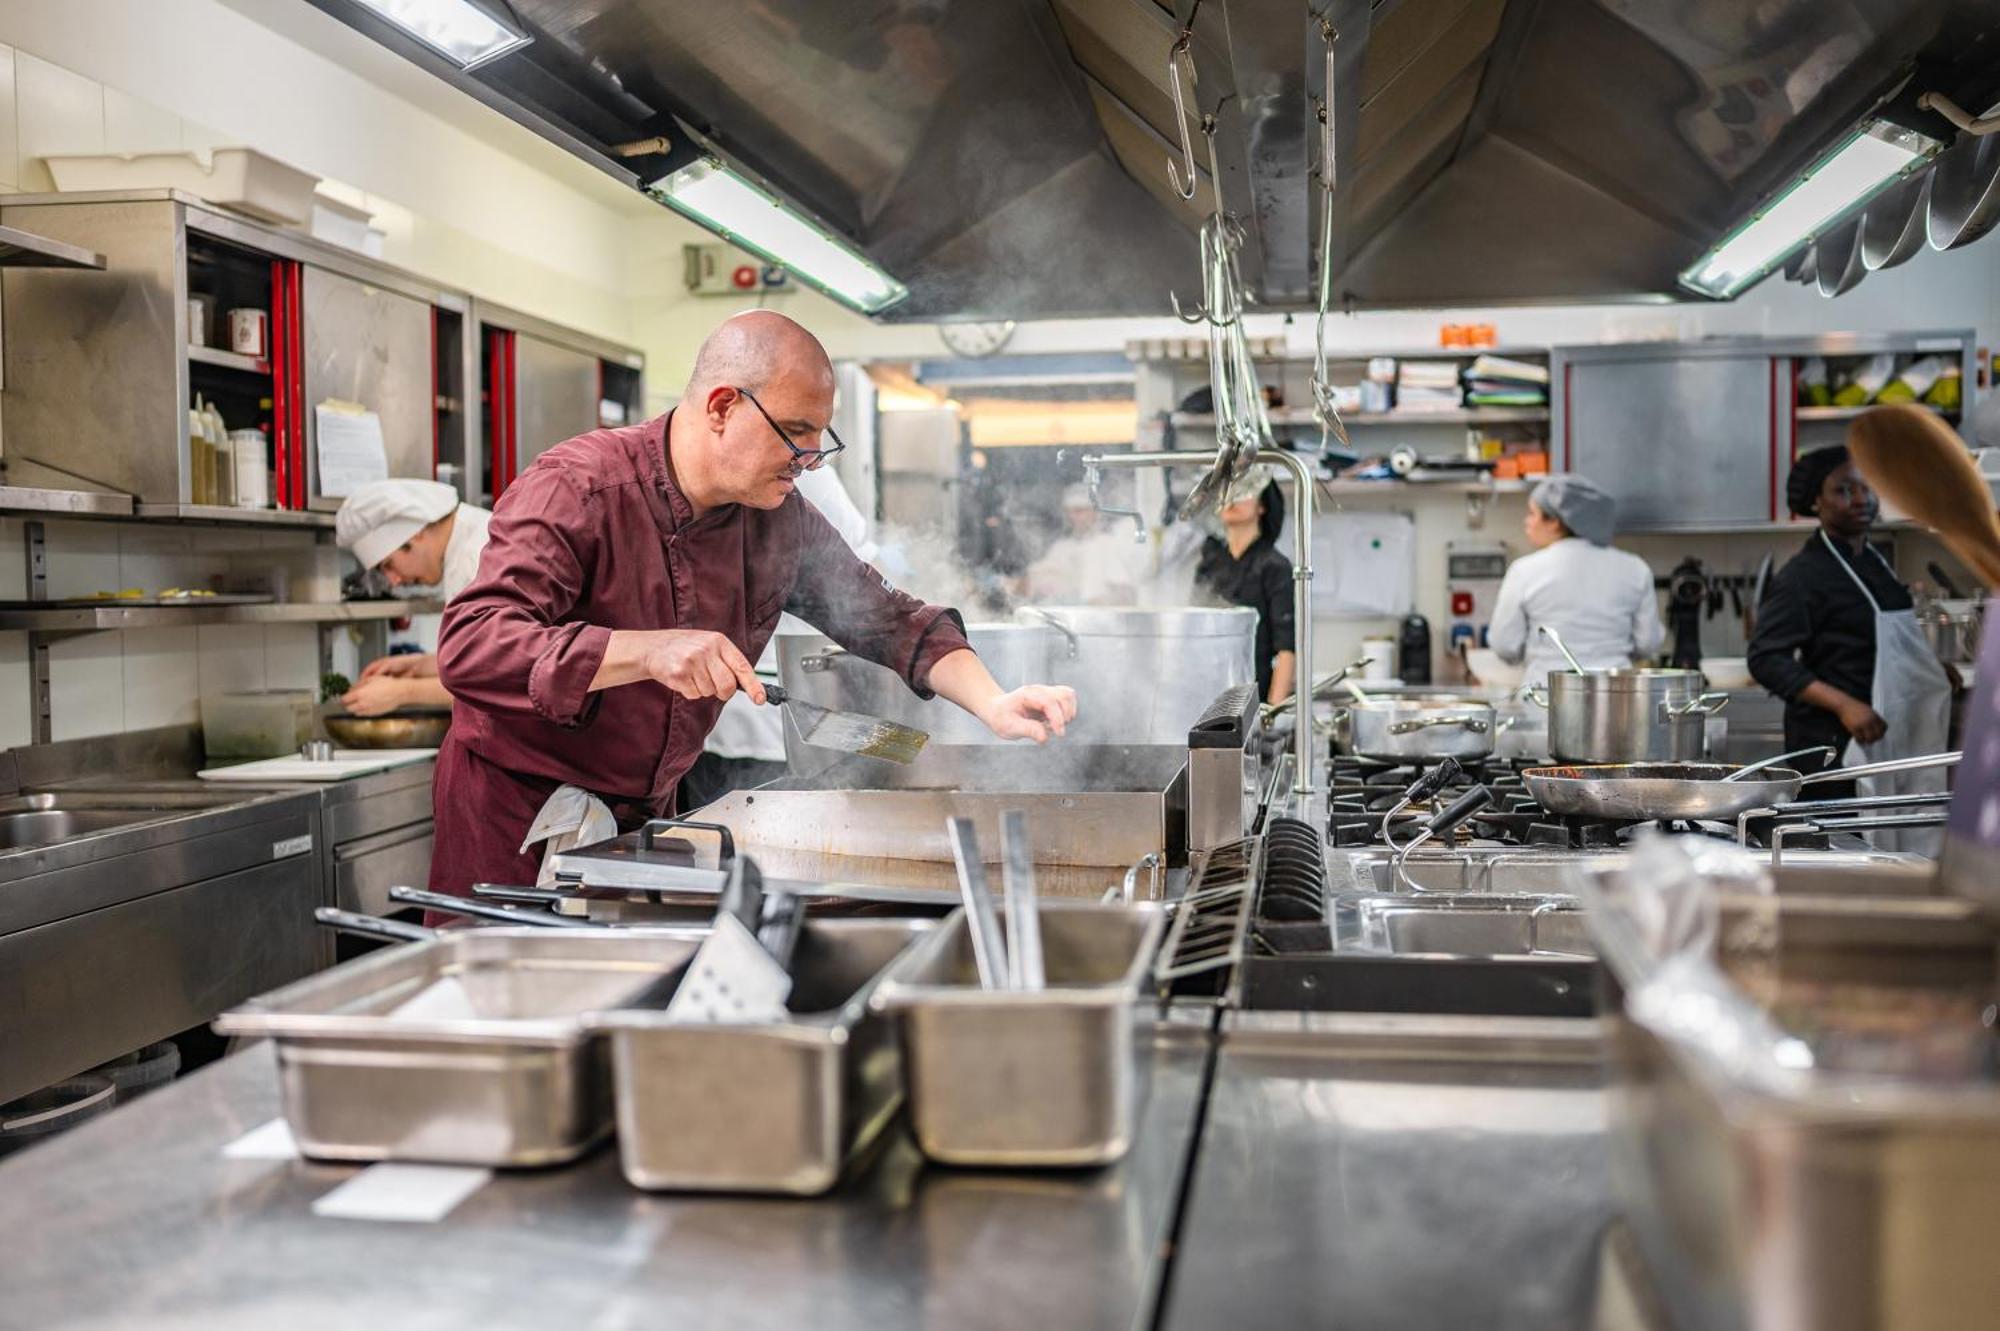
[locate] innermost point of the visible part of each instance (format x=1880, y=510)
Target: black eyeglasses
x=806, y=458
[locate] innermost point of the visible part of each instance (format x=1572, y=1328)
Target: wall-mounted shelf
x=229, y=360
x=111, y=615
x=1405, y=489
x=25, y=249
x=40, y=502
x=1302, y=416
x=222, y=515
x=1849, y=413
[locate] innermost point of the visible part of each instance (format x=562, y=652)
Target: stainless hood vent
x=1008, y=158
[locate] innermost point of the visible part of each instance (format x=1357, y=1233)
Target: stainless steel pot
x=1952, y=628
x=1143, y=675
x=1405, y=730
x=813, y=669
x=1628, y=716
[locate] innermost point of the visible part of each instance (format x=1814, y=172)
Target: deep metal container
x=815, y=670
x=1025, y=1078
x=773, y=1108
x=1629, y=716
x=1852, y=1184
x=1142, y=675
x=1404, y=730
x=470, y=1049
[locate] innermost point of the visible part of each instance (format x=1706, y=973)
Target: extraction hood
x=1008, y=158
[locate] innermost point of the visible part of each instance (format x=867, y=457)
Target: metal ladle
x=1762, y=763
x=1562, y=647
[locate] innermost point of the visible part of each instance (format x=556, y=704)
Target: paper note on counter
x=351, y=452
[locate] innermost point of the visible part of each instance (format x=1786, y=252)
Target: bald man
x=630, y=578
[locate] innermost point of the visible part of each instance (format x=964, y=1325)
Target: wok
x=406, y=728
x=1687, y=791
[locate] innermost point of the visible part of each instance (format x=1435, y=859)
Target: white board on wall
x=1364, y=565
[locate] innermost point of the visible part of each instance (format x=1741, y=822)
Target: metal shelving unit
x=25, y=249
x=219, y=515
x=229, y=360
x=110, y=615
x=1302, y=416
x=1849, y=413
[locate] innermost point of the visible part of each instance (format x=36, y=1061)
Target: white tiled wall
x=103, y=683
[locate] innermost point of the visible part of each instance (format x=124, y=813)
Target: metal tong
x=1000, y=966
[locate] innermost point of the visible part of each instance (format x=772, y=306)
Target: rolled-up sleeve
x=507, y=644
x=1784, y=626
x=854, y=605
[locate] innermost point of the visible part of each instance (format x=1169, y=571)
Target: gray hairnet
x=1580, y=506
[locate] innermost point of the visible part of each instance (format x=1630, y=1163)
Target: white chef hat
x=379, y=516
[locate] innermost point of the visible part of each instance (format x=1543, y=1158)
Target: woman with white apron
x=1837, y=638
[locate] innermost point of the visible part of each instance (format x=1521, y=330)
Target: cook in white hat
x=418, y=534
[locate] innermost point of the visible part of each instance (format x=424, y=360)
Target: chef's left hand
x=374, y=696
x=1033, y=711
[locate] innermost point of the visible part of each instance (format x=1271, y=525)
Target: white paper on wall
x=351, y=452
x=1363, y=565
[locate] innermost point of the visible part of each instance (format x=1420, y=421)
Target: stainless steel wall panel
x=372, y=346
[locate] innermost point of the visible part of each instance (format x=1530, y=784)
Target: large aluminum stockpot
x=1144, y=675
x=813, y=669
x=1628, y=716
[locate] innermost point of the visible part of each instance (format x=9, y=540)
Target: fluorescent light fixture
x=458, y=30
x=1853, y=172
x=748, y=215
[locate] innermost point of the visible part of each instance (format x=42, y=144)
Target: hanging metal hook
x=1179, y=52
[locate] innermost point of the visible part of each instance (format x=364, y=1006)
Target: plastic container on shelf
x=240, y=179
x=270, y=723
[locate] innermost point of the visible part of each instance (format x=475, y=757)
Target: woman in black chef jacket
x=1243, y=567
x=1837, y=639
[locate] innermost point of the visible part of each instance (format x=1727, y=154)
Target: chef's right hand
x=1863, y=722
x=697, y=663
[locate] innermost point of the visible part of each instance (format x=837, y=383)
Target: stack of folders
x=1428, y=385
x=1496, y=381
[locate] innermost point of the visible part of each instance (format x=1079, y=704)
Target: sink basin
x=51, y=817
x=1462, y=926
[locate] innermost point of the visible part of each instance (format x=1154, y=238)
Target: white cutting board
x=344, y=763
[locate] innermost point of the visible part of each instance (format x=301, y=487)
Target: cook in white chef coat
x=1600, y=599
x=419, y=534
x=747, y=745
x=1090, y=564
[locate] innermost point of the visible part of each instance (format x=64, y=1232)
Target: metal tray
x=769, y=1108
x=1855, y=1191
x=1025, y=1078
x=469, y=1049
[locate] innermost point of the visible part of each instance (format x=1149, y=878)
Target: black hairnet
x=1809, y=474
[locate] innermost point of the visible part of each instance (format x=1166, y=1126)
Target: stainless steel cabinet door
x=1683, y=440
x=555, y=395
x=367, y=345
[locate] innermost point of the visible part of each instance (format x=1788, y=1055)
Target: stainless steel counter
x=1377, y=1171
x=137, y=1218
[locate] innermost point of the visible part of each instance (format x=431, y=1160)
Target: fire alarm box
x=715, y=269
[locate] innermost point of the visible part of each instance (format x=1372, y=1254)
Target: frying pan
x=1687, y=791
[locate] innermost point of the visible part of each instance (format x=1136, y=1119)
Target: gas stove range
x=1360, y=793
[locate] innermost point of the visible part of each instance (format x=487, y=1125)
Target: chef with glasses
x=630, y=578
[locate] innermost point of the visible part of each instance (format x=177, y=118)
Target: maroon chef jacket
x=597, y=536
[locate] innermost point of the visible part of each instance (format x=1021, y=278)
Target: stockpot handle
x=822, y=660
x=1707, y=704
x=1068, y=633
x=1471, y=723
x=1538, y=694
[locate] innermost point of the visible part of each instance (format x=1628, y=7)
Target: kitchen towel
x=1362, y=565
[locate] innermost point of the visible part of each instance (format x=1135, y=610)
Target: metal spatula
x=850, y=732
